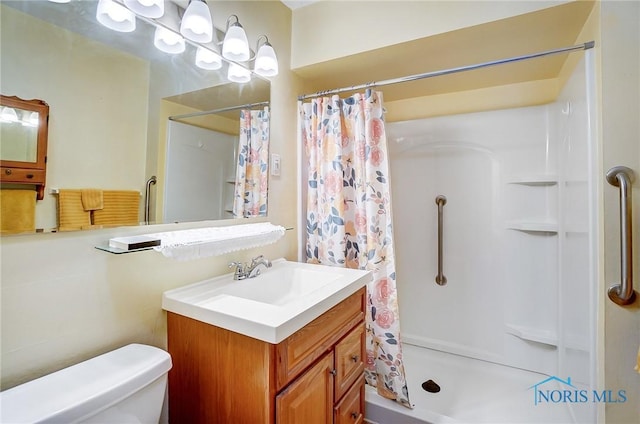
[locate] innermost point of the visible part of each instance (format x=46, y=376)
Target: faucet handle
x=256, y=259
x=239, y=272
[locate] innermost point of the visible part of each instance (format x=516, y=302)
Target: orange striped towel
x=17, y=211
x=92, y=199
x=120, y=207
x=71, y=214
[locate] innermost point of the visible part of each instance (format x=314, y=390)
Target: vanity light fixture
x=237, y=73
x=147, y=8
x=266, y=63
x=235, y=46
x=8, y=114
x=168, y=41
x=175, y=27
x=115, y=16
x=196, y=22
x=206, y=59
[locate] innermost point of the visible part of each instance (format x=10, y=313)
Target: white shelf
x=533, y=226
x=534, y=180
x=530, y=334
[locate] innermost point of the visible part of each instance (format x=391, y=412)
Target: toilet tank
x=123, y=386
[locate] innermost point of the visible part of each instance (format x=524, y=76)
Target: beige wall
x=84, y=148
x=63, y=301
x=369, y=25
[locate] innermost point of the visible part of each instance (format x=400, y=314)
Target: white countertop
x=267, y=307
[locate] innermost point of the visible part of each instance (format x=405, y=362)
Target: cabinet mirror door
x=23, y=130
x=23, y=151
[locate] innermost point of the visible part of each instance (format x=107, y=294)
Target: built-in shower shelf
x=533, y=227
x=533, y=334
x=535, y=180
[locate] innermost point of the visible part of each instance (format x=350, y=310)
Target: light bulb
x=146, y=8
x=8, y=114
x=115, y=16
x=168, y=41
x=206, y=59
x=237, y=73
x=266, y=63
x=34, y=118
x=235, y=46
x=196, y=22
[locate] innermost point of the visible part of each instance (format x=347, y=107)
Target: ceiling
x=529, y=33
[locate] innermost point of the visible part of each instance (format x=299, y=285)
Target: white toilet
x=123, y=386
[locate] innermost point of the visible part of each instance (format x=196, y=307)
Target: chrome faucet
x=251, y=270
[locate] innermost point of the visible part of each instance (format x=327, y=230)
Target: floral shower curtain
x=349, y=220
x=250, y=197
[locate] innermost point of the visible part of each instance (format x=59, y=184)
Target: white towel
x=213, y=241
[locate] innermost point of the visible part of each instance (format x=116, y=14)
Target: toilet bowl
x=123, y=386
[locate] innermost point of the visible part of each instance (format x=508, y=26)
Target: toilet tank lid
x=85, y=388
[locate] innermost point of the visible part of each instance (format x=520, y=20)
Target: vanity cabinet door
x=309, y=399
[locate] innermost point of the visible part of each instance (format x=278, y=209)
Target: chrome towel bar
x=441, y=280
x=623, y=294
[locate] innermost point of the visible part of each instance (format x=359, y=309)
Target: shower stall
x=495, y=230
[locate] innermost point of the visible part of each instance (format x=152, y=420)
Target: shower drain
x=431, y=386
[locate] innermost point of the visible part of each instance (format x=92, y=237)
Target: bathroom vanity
x=305, y=366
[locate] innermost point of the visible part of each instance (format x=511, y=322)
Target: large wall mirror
x=111, y=96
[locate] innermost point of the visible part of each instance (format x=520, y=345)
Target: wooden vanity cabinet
x=316, y=375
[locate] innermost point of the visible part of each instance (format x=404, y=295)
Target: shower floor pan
x=471, y=391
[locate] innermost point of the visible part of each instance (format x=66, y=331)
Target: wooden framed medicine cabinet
x=24, y=128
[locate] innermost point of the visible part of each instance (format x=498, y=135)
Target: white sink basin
x=271, y=306
x=277, y=286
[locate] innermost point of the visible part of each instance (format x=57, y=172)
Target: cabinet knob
x=355, y=358
x=29, y=175
x=354, y=415
x=7, y=171
x=333, y=372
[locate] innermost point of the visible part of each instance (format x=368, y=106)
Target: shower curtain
x=250, y=197
x=349, y=221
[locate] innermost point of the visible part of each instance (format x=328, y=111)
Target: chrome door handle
x=623, y=294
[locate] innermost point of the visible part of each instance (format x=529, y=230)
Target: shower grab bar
x=147, y=199
x=441, y=280
x=623, y=294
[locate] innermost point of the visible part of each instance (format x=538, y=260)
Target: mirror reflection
x=19, y=134
x=110, y=97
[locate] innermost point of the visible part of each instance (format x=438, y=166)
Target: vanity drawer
x=350, y=410
x=349, y=353
x=302, y=348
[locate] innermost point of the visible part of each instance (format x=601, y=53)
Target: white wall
x=620, y=132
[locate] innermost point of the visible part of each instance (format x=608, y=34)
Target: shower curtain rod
x=585, y=46
x=224, y=109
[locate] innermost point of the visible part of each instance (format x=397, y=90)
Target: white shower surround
x=519, y=251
